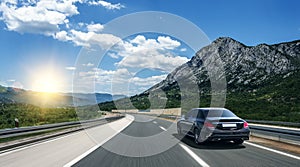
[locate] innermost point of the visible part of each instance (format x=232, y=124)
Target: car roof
x=211, y=108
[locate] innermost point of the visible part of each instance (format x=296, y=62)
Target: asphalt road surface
x=146, y=141
x=184, y=153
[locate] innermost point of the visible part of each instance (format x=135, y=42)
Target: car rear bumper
x=218, y=135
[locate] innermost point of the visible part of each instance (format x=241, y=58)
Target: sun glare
x=46, y=82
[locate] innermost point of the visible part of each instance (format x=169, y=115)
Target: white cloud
x=136, y=54
x=95, y=27
x=183, y=49
x=113, y=55
x=106, y=4
x=42, y=17
x=62, y=36
x=70, y=68
x=105, y=40
x=81, y=38
x=120, y=81
x=88, y=39
x=153, y=60
x=81, y=24
x=147, y=82
x=67, y=6
x=13, y=2
x=46, y=17
x=167, y=42
x=149, y=53
x=88, y=65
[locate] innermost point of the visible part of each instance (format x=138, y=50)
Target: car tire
x=239, y=141
x=179, y=130
x=196, y=136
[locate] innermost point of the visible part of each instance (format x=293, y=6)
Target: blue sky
x=41, y=40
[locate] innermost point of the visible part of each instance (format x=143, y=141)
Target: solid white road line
x=74, y=161
x=272, y=150
x=162, y=128
x=155, y=122
x=194, y=156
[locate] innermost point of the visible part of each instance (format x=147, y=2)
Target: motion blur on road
x=80, y=149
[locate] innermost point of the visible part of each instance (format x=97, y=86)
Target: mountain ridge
x=235, y=54
x=261, y=81
x=17, y=95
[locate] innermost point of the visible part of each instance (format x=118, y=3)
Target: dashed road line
x=194, y=156
x=162, y=128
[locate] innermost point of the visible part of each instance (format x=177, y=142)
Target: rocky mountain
x=244, y=66
x=256, y=82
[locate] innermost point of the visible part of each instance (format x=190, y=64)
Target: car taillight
x=246, y=124
x=209, y=125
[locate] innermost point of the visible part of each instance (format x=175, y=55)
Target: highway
x=141, y=140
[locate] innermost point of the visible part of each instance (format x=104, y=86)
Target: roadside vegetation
x=277, y=99
x=30, y=115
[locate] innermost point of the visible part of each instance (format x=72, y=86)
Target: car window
x=200, y=114
x=218, y=113
x=194, y=113
x=188, y=114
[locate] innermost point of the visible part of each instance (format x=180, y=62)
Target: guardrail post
x=16, y=123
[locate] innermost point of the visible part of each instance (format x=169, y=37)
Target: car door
x=185, y=122
x=200, y=119
x=190, y=120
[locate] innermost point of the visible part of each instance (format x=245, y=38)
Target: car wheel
x=179, y=130
x=196, y=136
x=239, y=141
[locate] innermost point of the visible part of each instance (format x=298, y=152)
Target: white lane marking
x=272, y=150
x=155, y=122
x=77, y=159
x=162, y=128
x=193, y=155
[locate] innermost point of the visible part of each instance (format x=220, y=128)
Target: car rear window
x=218, y=113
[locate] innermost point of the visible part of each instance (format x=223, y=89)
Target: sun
x=45, y=85
x=46, y=82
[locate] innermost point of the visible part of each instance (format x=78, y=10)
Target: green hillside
x=276, y=99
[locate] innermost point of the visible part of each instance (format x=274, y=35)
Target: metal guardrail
x=282, y=134
x=280, y=123
x=23, y=130
x=71, y=128
x=276, y=130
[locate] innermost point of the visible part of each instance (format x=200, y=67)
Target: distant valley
x=16, y=95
